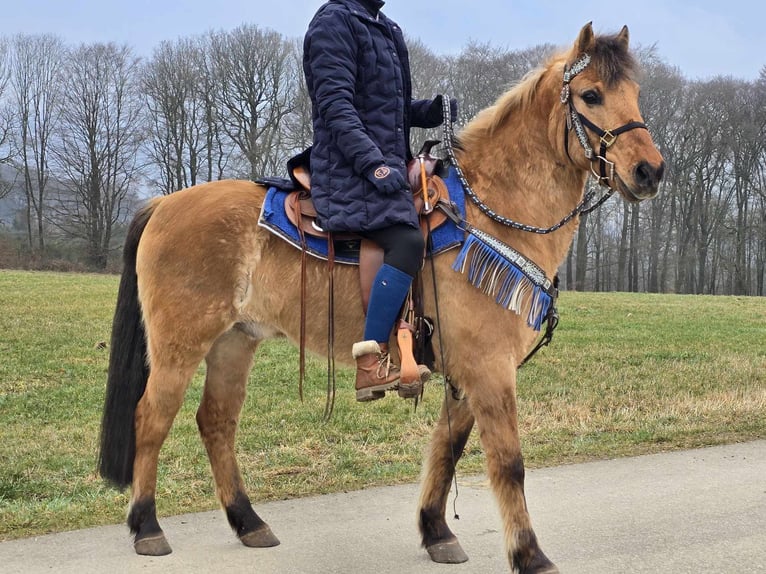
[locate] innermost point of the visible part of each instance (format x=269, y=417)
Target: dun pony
x=203, y=282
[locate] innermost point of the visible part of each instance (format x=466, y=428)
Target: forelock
x=612, y=60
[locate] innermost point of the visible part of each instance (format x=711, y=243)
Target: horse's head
x=600, y=98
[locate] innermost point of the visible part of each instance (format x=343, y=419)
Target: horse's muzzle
x=645, y=184
x=646, y=179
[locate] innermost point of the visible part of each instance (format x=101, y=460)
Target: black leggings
x=402, y=246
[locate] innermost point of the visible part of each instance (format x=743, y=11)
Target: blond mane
x=517, y=97
x=610, y=58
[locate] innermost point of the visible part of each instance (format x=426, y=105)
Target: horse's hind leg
x=228, y=365
x=155, y=412
x=446, y=448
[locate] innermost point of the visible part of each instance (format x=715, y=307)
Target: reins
x=581, y=208
x=577, y=122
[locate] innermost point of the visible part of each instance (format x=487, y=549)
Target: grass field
x=626, y=374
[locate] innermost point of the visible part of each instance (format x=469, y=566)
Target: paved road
x=683, y=512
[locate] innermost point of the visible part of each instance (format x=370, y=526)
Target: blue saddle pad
x=274, y=218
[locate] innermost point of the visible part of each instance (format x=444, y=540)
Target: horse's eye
x=591, y=97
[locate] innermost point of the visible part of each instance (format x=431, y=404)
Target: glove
x=386, y=180
x=452, y=110
x=435, y=112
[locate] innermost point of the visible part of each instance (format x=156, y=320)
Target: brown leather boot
x=375, y=374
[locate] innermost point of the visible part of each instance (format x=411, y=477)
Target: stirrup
x=413, y=389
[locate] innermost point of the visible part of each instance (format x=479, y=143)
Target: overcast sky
x=704, y=38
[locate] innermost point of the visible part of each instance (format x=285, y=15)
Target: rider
x=357, y=71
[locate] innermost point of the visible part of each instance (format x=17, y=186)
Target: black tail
x=128, y=369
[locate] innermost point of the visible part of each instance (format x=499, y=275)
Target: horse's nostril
x=643, y=177
x=648, y=175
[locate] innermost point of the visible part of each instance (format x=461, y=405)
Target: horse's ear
x=586, y=39
x=624, y=37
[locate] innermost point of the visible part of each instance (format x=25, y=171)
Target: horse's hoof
x=447, y=552
x=263, y=537
x=155, y=545
x=543, y=566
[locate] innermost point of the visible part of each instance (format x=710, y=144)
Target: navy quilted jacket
x=358, y=75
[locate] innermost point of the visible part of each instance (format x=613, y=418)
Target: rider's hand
x=387, y=180
x=435, y=111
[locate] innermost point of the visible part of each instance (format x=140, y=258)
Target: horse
x=203, y=281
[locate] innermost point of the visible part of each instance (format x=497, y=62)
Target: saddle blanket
x=274, y=219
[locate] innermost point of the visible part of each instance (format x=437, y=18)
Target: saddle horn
x=428, y=145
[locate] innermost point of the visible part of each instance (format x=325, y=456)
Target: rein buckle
x=603, y=179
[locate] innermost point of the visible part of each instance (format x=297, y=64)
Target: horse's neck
x=516, y=171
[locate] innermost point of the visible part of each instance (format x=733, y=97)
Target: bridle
x=579, y=122
x=584, y=207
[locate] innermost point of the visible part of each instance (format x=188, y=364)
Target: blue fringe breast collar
x=516, y=282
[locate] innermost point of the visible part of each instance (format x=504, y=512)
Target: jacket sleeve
x=420, y=116
x=332, y=58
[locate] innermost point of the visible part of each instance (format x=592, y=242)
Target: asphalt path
x=680, y=512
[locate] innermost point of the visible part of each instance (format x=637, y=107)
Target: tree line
x=89, y=131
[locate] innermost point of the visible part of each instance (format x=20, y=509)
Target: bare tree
x=704, y=185
x=296, y=128
x=759, y=185
x=430, y=76
x=98, y=145
x=168, y=84
x=581, y=253
x=254, y=74
x=36, y=90
x=661, y=93
x=5, y=114
x=759, y=239
x=479, y=74
x=219, y=148
x=747, y=146
x=184, y=143
x=430, y=73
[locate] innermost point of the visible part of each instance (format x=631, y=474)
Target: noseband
x=579, y=122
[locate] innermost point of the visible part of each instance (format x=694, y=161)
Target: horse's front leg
x=446, y=448
x=492, y=400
